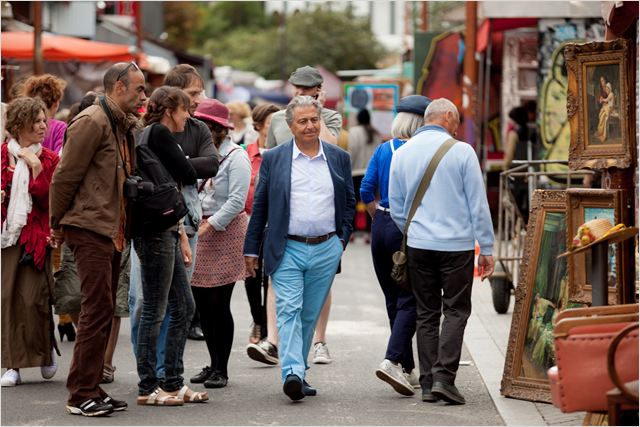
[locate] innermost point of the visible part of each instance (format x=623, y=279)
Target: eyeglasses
x=125, y=70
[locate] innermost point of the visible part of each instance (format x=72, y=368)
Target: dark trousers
x=165, y=286
x=401, y=304
x=257, y=297
x=441, y=283
x=98, y=265
x=214, y=305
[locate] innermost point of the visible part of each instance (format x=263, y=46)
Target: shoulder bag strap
x=424, y=184
x=201, y=187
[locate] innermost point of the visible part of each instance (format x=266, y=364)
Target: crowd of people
x=154, y=208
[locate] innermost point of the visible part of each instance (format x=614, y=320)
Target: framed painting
x=585, y=205
x=598, y=105
x=541, y=293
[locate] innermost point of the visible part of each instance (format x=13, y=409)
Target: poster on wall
x=378, y=98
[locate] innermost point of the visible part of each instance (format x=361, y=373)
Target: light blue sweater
x=454, y=212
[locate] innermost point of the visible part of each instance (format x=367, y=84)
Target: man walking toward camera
x=305, y=195
x=88, y=212
x=452, y=215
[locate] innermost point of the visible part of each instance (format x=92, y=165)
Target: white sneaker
x=49, y=371
x=393, y=375
x=10, y=378
x=412, y=378
x=321, y=354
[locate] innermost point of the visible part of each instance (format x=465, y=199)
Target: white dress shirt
x=312, y=195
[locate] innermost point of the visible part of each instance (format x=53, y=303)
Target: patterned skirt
x=219, y=255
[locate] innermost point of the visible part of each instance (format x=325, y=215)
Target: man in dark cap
x=306, y=81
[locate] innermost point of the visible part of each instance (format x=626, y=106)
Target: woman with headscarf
x=397, y=368
x=27, y=318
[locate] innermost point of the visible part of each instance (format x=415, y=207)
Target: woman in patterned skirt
x=219, y=260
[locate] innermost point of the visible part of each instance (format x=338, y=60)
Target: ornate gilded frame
x=579, y=199
x=514, y=382
x=586, y=63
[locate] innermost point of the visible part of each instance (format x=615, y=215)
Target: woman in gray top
x=219, y=257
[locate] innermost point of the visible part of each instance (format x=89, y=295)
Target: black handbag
x=399, y=272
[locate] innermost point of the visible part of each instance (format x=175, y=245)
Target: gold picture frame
x=542, y=291
x=598, y=105
x=585, y=204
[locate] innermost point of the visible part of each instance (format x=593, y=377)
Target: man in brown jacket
x=88, y=212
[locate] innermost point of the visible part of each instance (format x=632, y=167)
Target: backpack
x=163, y=207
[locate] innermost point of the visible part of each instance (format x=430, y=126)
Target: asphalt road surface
x=348, y=391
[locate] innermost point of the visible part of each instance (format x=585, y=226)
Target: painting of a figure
x=603, y=92
x=549, y=297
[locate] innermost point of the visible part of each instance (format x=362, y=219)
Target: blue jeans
x=164, y=285
x=401, y=304
x=135, y=307
x=301, y=284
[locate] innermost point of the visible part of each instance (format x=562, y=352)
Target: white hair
x=405, y=124
x=438, y=108
x=301, y=101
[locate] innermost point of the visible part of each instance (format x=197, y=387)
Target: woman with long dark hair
x=164, y=279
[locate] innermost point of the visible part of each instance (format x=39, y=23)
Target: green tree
x=180, y=18
x=334, y=39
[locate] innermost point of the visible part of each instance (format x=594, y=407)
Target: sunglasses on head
x=125, y=70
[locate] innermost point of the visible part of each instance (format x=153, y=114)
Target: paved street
x=348, y=391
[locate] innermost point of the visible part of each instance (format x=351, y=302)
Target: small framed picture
x=585, y=205
x=602, y=131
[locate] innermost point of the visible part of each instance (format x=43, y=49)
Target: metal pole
x=38, y=61
x=470, y=75
x=424, y=16
x=139, y=30
x=599, y=274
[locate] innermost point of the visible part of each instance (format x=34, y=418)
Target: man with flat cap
x=306, y=81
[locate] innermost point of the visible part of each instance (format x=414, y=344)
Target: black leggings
x=214, y=305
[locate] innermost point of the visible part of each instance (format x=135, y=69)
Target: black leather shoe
x=307, y=389
x=202, y=376
x=195, y=333
x=427, y=396
x=293, y=387
x=216, y=380
x=447, y=392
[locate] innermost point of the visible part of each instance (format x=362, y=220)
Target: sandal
x=190, y=396
x=108, y=373
x=159, y=397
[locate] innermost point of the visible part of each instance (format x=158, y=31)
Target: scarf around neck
x=20, y=202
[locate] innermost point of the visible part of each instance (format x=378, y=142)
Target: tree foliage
x=240, y=34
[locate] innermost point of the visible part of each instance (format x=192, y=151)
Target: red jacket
x=34, y=234
x=256, y=160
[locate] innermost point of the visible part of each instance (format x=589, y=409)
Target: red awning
x=19, y=45
x=498, y=25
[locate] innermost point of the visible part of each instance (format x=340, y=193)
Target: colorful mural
x=555, y=134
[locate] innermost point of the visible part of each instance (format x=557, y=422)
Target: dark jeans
x=164, y=285
x=257, y=297
x=98, y=265
x=214, y=305
x=401, y=304
x=441, y=283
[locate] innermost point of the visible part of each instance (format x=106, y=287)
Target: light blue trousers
x=135, y=307
x=301, y=284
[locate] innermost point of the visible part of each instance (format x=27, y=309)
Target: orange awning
x=19, y=45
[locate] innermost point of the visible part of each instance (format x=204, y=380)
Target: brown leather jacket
x=87, y=186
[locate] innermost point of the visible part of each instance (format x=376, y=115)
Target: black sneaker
x=216, y=380
x=118, y=405
x=264, y=352
x=195, y=333
x=90, y=408
x=202, y=376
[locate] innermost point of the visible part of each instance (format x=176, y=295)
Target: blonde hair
x=240, y=108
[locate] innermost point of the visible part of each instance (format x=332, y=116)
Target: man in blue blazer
x=302, y=216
